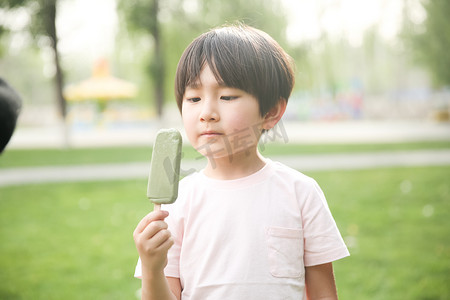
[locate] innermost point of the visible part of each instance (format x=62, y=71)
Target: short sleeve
x=323, y=242
x=138, y=269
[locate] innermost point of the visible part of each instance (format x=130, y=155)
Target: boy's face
x=220, y=121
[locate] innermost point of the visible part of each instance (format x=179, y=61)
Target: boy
x=244, y=227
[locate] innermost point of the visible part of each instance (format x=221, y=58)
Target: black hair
x=240, y=57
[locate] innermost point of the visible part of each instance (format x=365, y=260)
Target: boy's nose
x=209, y=113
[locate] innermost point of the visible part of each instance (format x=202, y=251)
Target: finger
x=153, y=245
x=153, y=216
x=153, y=228
x=166, y=245
x=162, y=239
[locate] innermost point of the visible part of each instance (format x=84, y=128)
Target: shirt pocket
x=285, y=251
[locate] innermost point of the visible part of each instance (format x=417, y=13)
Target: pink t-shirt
x=249, y=238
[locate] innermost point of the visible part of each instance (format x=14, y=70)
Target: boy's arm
x=175, y=286
x=320, y=282
x=160, y=287
x=153, y=240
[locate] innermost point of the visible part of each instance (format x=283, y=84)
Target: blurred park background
x=96, y=80
x=111, y=64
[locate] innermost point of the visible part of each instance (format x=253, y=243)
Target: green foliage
x=188, y=22
x=43, y=25
x=41, y=11
x=137, y=14
x=11, y=4
x=430, y=40
x=252, y=12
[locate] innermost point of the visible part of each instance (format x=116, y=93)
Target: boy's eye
x=194, y=99
x=228, y=98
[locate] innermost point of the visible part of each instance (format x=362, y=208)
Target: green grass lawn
x=42, y=157
x=70, y=241
x=396, y=223
x=74, y=240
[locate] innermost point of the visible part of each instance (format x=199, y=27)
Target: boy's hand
x=153, y=240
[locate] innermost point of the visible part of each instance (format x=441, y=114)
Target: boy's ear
x=274, y=114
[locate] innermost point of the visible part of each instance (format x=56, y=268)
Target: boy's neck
x=237, y=166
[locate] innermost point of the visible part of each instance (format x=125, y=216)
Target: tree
x=43, y=26
x=143, y=16
x=430, y=40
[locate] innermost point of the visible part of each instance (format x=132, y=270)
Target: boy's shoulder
x=288, y=173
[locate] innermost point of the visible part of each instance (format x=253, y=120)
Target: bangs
x=239, y=57
x=225, y=56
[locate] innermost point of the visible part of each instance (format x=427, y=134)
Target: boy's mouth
x=210, y=133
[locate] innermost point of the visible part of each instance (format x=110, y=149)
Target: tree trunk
x=50, y=27
x=158, y=66
x=49, y=13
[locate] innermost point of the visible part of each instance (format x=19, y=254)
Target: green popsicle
x=165, y=168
